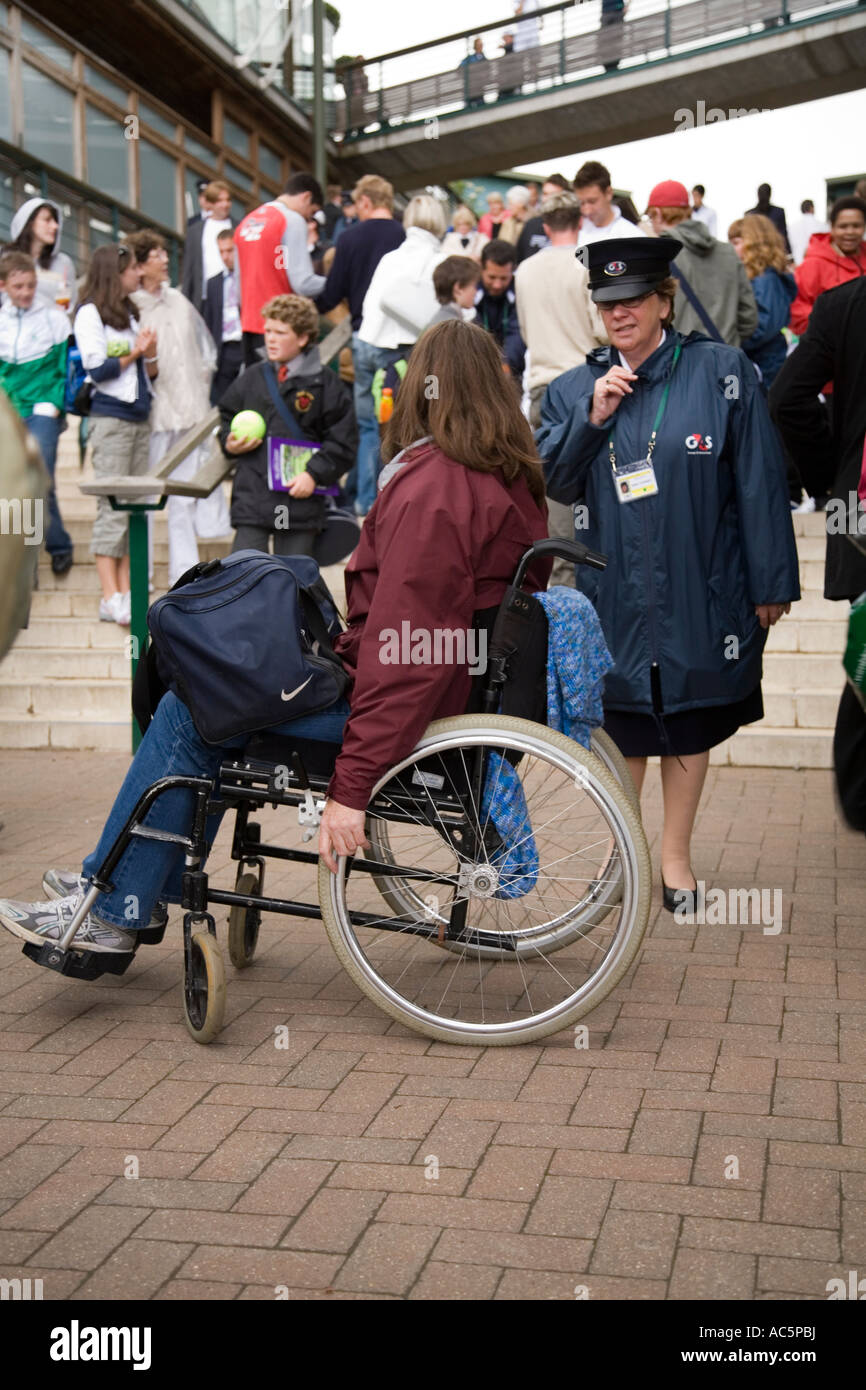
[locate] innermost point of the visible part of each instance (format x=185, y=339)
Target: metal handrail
x=414, y=98
x=510, y=23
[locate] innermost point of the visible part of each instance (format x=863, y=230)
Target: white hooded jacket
x=58, y=281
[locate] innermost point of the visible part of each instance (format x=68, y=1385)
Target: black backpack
x=245, y=642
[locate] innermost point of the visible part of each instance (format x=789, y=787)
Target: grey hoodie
x=718, y=278
x=60, y=276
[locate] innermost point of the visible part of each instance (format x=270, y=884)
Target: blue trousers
x=46, y=430
x=367, y=359
x=149, y=869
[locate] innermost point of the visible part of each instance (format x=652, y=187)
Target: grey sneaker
x=60, y=883
x=39, y=922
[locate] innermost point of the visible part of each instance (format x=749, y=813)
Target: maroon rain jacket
x=441, y=542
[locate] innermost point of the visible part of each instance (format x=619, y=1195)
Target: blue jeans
x=149, y=869
x=367, y=360
x=46, y=430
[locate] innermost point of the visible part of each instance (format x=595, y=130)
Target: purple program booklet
x=287, y=458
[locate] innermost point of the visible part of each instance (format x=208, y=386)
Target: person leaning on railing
x=120, y=358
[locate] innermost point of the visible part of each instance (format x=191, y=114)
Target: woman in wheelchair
x=461, y=500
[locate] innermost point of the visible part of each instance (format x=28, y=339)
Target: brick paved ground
x=558, y=1168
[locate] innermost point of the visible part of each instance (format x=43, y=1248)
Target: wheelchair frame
x=246, y=784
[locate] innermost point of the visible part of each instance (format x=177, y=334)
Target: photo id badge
x=635, y=480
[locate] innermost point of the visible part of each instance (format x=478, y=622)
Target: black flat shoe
x=681, y=900
x=62, y=564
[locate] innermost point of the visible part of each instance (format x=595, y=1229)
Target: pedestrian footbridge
x=572, y=83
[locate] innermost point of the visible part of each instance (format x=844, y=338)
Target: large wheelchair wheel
x=603, y=892
x=487, y=929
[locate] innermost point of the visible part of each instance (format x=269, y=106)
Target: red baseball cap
x=669, y=194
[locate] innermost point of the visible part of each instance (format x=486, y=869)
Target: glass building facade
x=67, y=116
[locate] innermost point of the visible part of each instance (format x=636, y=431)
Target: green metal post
x=319, y=160
x=138, y=583
x=139, y=587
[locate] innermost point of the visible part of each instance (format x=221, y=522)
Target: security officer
x=667, y=443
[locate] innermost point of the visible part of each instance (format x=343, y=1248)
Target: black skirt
x=690, y=731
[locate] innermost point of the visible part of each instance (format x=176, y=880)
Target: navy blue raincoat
x=686, y=567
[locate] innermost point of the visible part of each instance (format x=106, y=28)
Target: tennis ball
x=248, y=424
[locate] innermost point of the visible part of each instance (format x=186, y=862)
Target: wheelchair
x=505, y=889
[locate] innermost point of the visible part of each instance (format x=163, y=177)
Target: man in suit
x=767, y=209
x=222, y=314
x=829, y=453
x=201, y=257
x=200, y=186
x=830, y=456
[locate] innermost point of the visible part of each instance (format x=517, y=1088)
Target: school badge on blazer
x=303, y=401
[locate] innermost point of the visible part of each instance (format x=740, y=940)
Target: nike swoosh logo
x=292, y=693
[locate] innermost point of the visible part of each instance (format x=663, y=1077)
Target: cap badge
x=615, y=268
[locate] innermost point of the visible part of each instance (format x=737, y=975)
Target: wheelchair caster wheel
x=204, y=988
x=244, y=923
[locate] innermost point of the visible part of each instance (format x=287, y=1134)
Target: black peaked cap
x=626, y=266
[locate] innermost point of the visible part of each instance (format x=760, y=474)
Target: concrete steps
x=66, y=682
x=803, y=674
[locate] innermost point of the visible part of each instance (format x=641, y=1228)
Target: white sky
x=795, y=148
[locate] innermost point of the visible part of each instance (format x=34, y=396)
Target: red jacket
x=822, y=269
x=441, y=542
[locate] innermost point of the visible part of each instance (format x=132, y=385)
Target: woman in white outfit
x=465, y=240
x=187, y=358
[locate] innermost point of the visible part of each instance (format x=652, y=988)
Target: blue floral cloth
x=577, y=662
x=504, y=806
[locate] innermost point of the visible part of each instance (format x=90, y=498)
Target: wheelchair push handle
x=575, y=551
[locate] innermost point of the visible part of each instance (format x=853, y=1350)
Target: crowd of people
x=155, y=356
x=634, y=355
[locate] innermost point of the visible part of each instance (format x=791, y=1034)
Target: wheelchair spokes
x=523, y=933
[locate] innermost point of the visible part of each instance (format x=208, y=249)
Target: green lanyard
x=659, y=413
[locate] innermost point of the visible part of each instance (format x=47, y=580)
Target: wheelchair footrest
x=78, y=965
x=150, y=936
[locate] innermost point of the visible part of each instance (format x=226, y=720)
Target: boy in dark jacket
x=310, y=441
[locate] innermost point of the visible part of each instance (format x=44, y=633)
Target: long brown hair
x=763, y=247
x=103, y=289
x=455, y=389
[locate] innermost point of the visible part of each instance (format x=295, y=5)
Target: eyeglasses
x=625, y=303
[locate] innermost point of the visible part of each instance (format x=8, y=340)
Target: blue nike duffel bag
x=245, y=642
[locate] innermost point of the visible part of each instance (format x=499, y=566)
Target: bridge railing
x=560, y=43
